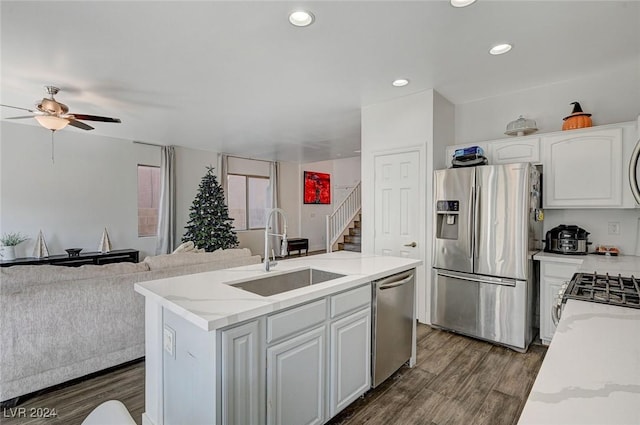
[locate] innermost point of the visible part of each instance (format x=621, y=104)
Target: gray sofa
x=61, y=323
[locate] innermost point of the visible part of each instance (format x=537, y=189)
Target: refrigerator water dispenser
x=447, y=219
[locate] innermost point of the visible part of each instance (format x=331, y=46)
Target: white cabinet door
x=552, y=275
x=583, y=169
x=521, y=149
x=241, y=375
x=295, y=379
x=547, y=301
x=350, y=361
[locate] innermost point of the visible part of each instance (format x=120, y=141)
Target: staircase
x=344, y=223
x=352, y=240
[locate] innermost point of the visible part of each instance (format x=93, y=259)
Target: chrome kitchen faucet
x=283, y=250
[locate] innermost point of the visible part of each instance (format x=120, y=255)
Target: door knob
x=412, y=244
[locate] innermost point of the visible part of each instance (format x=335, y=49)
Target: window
x=248, y=200
x=148, y=199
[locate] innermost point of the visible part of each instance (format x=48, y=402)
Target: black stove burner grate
x=605, y=289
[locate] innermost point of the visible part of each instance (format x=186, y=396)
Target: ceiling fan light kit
x=55, y=116
x=51, y=122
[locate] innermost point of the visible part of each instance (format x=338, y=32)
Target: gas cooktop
x=605, y=289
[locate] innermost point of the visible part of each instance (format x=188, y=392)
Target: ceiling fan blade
x=79, y=124
x=19, y=118
x=94, y=118
x=15, y=107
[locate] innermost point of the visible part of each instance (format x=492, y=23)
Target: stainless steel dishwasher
x=393, y=303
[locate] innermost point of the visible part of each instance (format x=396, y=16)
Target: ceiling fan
x=54, y=115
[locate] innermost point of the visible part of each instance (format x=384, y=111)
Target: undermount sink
x=284, y=282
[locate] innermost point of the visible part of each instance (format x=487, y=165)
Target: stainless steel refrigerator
x=487, y=227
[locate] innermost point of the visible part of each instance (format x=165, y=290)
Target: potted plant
x=9, y=241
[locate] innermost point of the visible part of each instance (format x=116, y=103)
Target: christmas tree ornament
x=40, y=250
x=209, y=225
x=105, y=243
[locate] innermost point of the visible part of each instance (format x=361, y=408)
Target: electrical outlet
x=169, y=340
x=614, y=228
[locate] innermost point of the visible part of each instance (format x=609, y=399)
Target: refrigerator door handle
x=491, y=281
x=477, y=217
x=470, y=222
x=633, y=175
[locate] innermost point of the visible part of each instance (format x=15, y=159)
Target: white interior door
x=397, y=195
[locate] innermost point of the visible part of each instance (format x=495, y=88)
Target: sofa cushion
x=17, y=277
x=225, y=263
x=159, y=262
x=185, y=247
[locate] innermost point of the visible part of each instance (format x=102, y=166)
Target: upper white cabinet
x=583, y=169
x=521, y=149
x=504, y=151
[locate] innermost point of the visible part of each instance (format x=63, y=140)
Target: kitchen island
x=208, y=343
x=591, y=373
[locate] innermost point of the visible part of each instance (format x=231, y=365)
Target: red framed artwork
x=317, y=188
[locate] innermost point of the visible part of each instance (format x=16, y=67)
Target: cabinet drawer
x=561, y=271
x=295, y=320
x=350, y=300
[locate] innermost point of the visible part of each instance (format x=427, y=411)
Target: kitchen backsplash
x=596, y=222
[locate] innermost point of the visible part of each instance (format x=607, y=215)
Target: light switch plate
x=169, y=341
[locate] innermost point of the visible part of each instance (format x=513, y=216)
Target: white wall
x=91, y=185
x=423, y=122
x=612, y=97
x=345, y=173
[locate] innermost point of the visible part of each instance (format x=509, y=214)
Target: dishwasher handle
x=395, y=280
x=395, y=284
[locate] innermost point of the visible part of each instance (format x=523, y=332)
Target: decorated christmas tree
x=209, y=224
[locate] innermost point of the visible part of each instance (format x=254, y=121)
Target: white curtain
x=167, y=211
x=223, y=168
x=274, y=188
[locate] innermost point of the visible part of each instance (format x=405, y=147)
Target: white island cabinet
x=217, y=354
x=241, y=373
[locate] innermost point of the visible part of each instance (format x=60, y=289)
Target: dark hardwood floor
x=73, y=403
x=457, y=380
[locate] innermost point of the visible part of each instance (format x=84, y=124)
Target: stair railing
x=342, y=216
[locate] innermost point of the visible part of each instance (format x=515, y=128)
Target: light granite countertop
x=209, y=300
x=591, y=373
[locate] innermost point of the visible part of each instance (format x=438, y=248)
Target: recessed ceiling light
x=500, y=49
x=401, y=82
x=301, y=18
x=461, y=3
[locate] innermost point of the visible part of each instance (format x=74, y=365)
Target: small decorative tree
x=209, y=224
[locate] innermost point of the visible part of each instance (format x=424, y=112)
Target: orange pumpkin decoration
x=577, y=119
